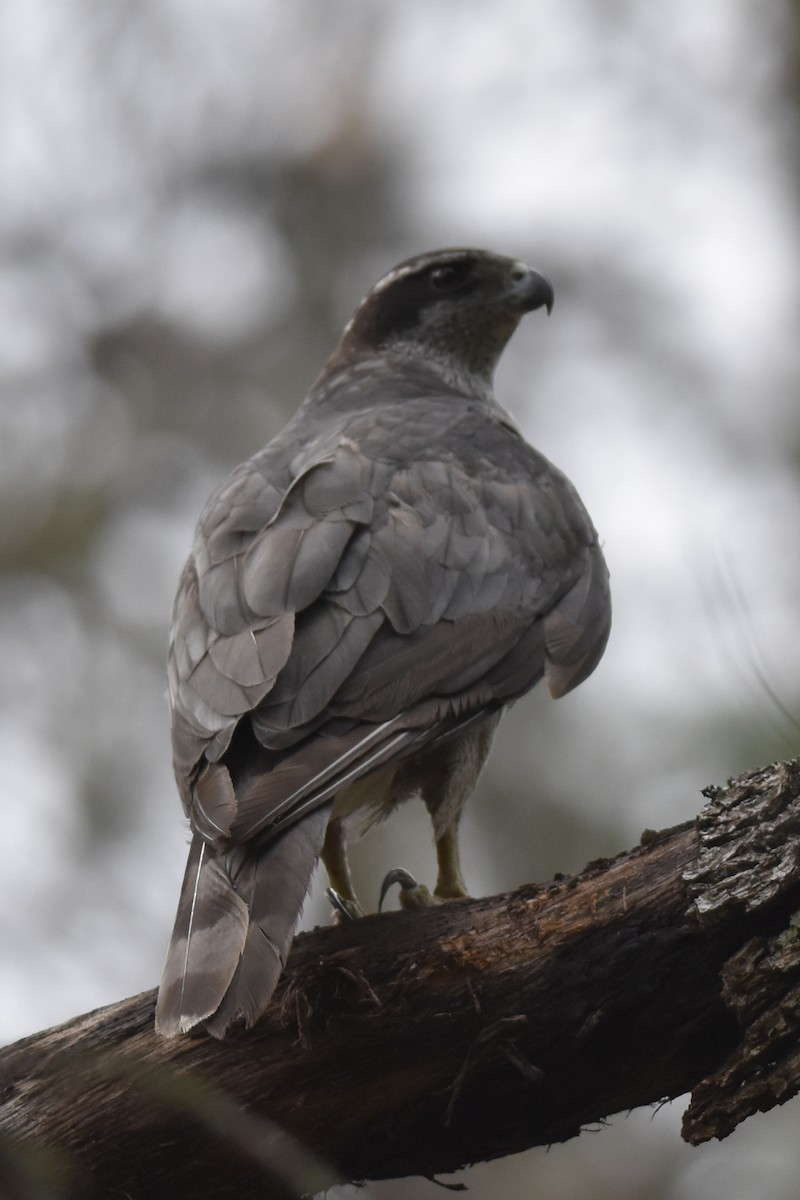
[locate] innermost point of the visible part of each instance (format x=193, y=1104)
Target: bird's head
x=457, y=307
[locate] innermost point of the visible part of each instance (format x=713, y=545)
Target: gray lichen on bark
x=749, y=842
x=749, y=859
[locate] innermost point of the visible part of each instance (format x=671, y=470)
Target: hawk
x=363, y=598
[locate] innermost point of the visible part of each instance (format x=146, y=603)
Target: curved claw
x=339, y=904
x=397, y=875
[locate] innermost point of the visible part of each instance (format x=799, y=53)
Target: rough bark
x=417, y=1042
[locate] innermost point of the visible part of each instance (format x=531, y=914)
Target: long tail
x=234, y=927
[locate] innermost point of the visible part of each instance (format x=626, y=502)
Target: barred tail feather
x=234, y=927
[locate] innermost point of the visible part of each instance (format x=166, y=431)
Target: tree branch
x=417, y=1042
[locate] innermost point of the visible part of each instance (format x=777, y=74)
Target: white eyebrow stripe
x=393, y=276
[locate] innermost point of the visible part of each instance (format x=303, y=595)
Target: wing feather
x=402, y=585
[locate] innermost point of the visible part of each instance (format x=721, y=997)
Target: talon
x=412, y=894
x=342, y=908
x=396, y=875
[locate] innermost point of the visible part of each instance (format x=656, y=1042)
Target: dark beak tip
x=534, y=291
x=547, y=294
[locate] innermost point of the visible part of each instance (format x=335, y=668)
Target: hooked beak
x=530, y=289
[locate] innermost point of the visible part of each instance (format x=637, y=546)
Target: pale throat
x=466, y=363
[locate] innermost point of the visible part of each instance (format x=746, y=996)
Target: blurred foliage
x=194, y=199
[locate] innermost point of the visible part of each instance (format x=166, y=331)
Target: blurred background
x=195, y=194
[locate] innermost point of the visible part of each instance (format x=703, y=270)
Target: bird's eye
x=448, y=278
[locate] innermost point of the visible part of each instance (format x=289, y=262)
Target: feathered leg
x=445, y=776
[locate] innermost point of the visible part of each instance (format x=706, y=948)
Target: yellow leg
x=334, y=856
x=450, y=882
x=449, y=885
